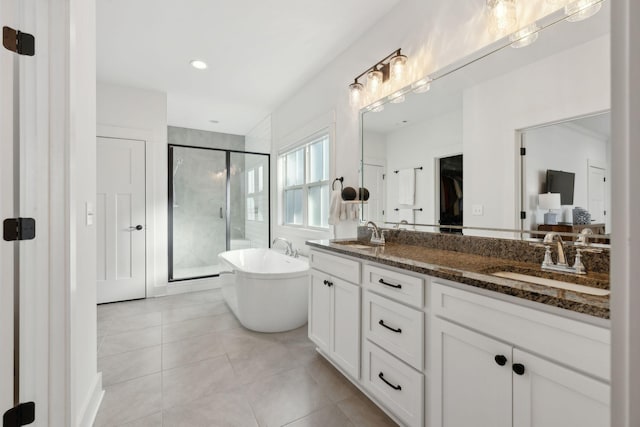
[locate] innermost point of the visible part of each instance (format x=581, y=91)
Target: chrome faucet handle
x=578, y=266
x=547, y=256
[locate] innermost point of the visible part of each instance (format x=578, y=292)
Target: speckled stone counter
x=475, y=270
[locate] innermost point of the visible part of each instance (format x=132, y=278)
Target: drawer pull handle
x=518, y=368
x=500, y=359
x=393, y=386
x=390, y=284
x=381, y=323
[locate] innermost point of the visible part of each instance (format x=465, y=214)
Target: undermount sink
x=356, y=244
x=552, y=283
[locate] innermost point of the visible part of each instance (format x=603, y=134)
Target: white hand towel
x=344, y=211
x=406, y=186
x=406, y=215
x=334, y=207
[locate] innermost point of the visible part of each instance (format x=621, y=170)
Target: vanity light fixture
x=397, y=98
x=502, y=16
x=392, y=66
x=524, y=36
x=377, y=107
x=198, y=64
x=582, y=9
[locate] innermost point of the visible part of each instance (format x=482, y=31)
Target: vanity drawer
x=395, y=327
x=577, y=344
x=402, y=287
x=395, y=385
x=339, y=267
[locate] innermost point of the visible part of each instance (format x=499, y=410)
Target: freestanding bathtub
x=267, y=291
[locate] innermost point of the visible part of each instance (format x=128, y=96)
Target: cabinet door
x=471, y=378
x=345, y=336
x=320, y=309
x=550, y=395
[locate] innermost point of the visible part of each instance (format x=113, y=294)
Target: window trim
x=304, y=143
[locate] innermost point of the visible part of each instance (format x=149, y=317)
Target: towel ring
x=341, y=179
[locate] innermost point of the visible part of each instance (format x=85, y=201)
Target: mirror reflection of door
x=373, y=176
x=451, y=193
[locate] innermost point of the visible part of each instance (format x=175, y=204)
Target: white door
x=373, y=181
x=8, y=15
x=120, y=220
x=597, y=177
x=319, y=309
x=345, y=328
x=473, y=382
x=549, y=395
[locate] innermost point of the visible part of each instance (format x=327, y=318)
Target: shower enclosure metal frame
x=171, y=195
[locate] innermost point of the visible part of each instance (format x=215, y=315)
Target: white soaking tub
x=268, y=291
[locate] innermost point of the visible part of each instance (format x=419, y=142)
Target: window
x=305, y=172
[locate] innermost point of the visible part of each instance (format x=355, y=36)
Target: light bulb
x=355, y=93
x=582, y=9
x=422, y=85
x=502, y=16
x=524, y=36
x=374, y=82
x=398, y=64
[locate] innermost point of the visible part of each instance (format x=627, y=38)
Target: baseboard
x=92, y=403
x=194, y=285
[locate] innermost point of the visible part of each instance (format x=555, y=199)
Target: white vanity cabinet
x=499, y=364
x=334, y=309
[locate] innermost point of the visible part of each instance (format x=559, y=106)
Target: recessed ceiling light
x=214, y=121
x=198, y=64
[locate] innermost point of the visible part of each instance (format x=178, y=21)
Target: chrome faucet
x=289, y=249
x=377, y=237
x=403, y=222
x=561, y=265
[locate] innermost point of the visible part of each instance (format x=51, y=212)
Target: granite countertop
x=476, y=270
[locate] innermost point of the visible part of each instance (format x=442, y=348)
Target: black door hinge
x=523, y=151
x=21, y=415
x=18, y=42
x=523, y=215
x=19, y=229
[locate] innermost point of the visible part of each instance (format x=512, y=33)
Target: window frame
x=304, y=144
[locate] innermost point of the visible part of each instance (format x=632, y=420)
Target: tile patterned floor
x=184, y=360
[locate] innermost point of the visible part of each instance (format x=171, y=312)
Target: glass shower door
x=198, y=210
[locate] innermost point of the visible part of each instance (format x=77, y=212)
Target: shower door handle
x=221, y=215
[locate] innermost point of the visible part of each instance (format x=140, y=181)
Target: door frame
x=151, y=221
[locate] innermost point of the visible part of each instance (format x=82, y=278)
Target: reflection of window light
x=251, y=209
x=251, y=184
x=260, y=177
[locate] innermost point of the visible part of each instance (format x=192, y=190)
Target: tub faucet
x=289, y=249
x=377, y=237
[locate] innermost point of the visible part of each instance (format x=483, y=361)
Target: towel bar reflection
x=415, y=209
x=418, y=168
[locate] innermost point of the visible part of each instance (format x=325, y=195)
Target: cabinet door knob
x=518, y=368
x=326, y=282
x=501, y=359
x=330, y=283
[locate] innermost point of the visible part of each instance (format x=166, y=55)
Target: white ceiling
x=258, y=51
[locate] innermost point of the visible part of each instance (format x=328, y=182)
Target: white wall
x=126, y=112
x=258, y=139
x=565, y=148
x=432, y=34
x=422, y=145
x=569, y=84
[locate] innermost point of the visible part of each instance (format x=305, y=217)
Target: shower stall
x=218, y=201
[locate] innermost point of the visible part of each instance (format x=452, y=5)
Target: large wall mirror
x=451, y=156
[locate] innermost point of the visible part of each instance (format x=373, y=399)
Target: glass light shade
x=421, y=86
x=549, y=201
x=398, y=66
x=356, y=91
x=397, y=98
x=502, y=16
x=582, y=9
x=524, y=36
x=374, y=82
x=377, y=107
